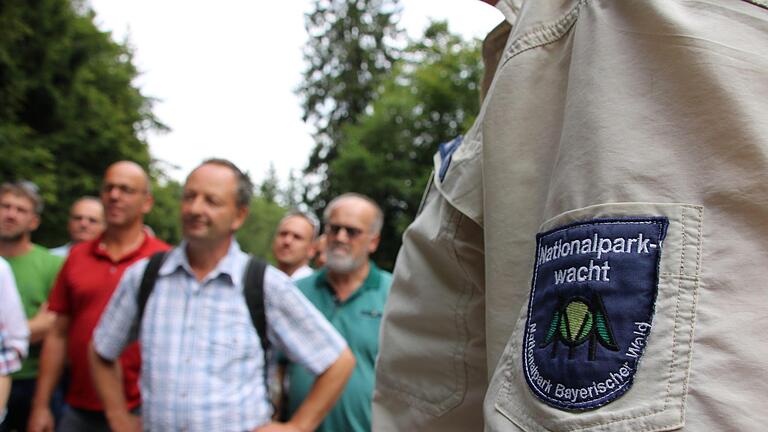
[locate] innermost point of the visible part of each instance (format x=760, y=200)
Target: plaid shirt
x=10, y=360
x=202, y=361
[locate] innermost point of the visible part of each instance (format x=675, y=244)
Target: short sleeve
x=296, y=327
x=58, y=299
x=117, y=326
x=13, y=321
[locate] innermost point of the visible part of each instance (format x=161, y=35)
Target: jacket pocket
x=605, y=341
x=429, y=353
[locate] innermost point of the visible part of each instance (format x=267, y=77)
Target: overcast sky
x=223, y=73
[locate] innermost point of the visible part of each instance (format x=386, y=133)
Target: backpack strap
x=148, y=282
x=253, y=290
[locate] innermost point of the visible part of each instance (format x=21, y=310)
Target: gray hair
x=378, y=220
x=28, y=190
x=244, y=191
x=309, y=217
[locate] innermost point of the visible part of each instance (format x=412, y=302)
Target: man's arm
x=52, y=361
x=107, y=379
x=322, y=396
x=5, y=389
x=40, y=324
x=117, y=328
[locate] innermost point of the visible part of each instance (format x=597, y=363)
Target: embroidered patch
x=591, y=309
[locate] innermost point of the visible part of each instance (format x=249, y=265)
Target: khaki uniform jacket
x=599, y=110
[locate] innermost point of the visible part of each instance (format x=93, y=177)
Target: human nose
x=113, y=193
x=195, y=205
x=9, y=212
x=342, y=235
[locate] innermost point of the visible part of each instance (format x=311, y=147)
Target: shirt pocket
x=605, y=341
x=230, y=342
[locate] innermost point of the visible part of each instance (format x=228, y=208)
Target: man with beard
x=294, y=243
x=34, y=269
x=83, y=288
x=350, y=291
x=203, y=359
x=86, y=222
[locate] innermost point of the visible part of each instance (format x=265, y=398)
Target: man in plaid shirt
x=202, y=362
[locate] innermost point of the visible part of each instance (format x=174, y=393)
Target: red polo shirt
x=82, y=290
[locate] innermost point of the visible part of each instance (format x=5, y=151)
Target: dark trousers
x=80, y=420
x=20, y=405
x=77, y=420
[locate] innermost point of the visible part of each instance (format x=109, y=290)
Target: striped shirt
x=202, y=361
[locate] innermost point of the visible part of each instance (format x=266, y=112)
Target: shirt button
x=113, y=270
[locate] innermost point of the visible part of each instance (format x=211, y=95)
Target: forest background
x=379, y=102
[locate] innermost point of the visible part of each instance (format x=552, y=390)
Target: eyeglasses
x=81, y=218
x=352, y=232
x=124, y=189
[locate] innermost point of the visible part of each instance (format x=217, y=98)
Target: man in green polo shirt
x=350, y=291
x=35, y=270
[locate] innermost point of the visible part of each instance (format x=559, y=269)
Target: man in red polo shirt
x=82, y=291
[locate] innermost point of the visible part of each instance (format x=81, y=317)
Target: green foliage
x=430, y=97
x=164, y=218
x=348, y=54
x=270, y=187
x=68, y=108
x=291, y=195
x=255, y=236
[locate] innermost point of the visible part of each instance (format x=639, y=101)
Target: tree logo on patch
x=577, y=321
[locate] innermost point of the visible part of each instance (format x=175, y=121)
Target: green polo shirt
x=35, y=272
x=357, y=319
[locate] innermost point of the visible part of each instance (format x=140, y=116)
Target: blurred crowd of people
x=628, y=138
x=117, y=330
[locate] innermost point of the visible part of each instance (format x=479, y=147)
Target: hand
x=43, y=314
x=277, y=427
x=125, y=422
x=40, y=324
x=40, y=420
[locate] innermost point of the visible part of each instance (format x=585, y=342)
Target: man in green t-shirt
x=34, y=269
x=350, y=291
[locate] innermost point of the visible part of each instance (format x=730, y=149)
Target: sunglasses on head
x=352, y=232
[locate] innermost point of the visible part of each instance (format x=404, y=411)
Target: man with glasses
x=350, y=291
x=86, y=222
x=294, y=243
x=82, y=290
x=34, y=269
x=203, y=358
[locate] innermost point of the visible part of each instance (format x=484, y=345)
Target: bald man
x=81, y=292
x=294, y=243
x=350, y=291
x=86, y=222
